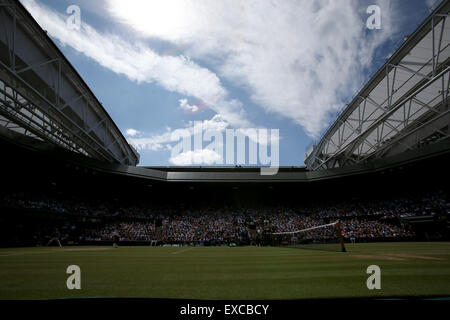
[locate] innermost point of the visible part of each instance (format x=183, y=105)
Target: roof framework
x=403, y=107
x=42, y=95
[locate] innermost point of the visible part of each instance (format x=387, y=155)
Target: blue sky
x=157, y=66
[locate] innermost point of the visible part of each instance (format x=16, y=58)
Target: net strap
x=304, y=230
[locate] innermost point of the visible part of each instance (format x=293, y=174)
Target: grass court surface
x=407, y=269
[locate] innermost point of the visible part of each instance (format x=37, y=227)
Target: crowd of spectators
x=178, y=223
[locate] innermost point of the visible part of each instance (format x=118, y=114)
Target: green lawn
x=407, y=269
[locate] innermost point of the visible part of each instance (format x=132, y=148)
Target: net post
x=340, y=237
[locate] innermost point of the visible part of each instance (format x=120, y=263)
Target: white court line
x=25, y=253
x=177, y=252
x=50, y=250
x=11, y=254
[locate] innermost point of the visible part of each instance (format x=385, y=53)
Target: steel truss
x=42, y=96
x=404, y=106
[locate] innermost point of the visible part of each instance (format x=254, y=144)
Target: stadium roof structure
x=42, y=95
x=403, y=107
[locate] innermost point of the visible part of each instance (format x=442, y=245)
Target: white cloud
x=216, y=123
x=188, y=107
x=131, y=132
x=201, y=156
x=157, y=142
x=161, y=141
x=298, y=59
x=140, y=63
